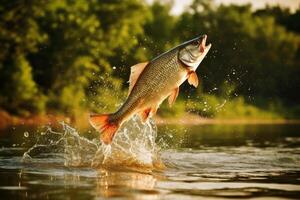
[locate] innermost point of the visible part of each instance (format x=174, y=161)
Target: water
x=134, y=148
x=194, y=162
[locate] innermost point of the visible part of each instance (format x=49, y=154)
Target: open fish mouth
x=202, y=46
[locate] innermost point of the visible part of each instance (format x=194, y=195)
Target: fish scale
x=154, y=77
x=162, y=70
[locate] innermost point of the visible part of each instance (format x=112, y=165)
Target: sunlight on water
x=227, y=161
x=133, y=147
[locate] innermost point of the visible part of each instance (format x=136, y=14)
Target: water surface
x=208, y=161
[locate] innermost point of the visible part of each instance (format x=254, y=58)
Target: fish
x=150, y=83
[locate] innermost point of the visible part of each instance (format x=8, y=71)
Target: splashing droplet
x=26, y=134
x=133, y=147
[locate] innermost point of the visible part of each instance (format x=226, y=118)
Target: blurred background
x=64, y=58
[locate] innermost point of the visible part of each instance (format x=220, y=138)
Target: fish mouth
x=202, y=46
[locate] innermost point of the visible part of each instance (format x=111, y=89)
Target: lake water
x=192, y=162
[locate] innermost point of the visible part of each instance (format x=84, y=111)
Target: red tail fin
x=105, y=126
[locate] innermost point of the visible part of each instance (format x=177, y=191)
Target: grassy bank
x=218, y=108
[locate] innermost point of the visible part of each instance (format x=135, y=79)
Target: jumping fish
x=150, y=83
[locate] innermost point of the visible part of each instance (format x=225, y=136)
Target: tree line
x=72, y=56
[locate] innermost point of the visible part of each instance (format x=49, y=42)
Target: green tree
x=157, y=37
x=255, y=54
x=22, y=91
x=19, y=36
x=283, y=16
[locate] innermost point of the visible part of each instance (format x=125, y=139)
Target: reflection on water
x=113, y=184
x=214, y=161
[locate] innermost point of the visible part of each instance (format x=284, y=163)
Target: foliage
x=65, y=46
x=176, y=110
x=73, y=56
x=210, y=106
x=253, y=53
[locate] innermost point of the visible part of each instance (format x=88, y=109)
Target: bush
x=177, y=110
x=212, y=106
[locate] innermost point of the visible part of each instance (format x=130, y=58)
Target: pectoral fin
x=136, y=71
x=173, y=96
x=193, y=79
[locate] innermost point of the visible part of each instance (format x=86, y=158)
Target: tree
x=255, y=54
x=62, y=48
x=19, y=36
x=283, y=16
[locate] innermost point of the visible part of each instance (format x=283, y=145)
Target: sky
x=180, y=5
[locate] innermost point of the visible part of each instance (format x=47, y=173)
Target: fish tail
x=106, y=125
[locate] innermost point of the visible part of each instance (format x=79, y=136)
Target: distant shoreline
x=197, y=120
x=7, y=120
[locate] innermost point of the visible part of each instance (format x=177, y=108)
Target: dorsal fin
x=136, y=70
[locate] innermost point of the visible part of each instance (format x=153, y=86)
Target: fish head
x=192, y=52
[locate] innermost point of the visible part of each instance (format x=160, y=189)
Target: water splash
x=133, y=148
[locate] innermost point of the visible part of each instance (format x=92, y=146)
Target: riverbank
x=191, y=119
x=8, y=120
